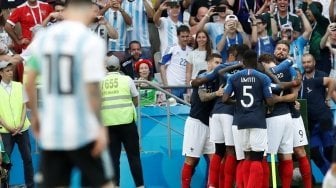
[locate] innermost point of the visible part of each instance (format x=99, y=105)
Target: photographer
x=100, y=26
x=329, y=41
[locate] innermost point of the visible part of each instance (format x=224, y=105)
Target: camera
x=219, y=9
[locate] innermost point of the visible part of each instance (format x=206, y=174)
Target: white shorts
x=299, y=133
x=221, y=129
x=280, y=134
x=196, y=140
x=237, y=143
x=254, y=139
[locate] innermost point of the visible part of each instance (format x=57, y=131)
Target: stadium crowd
x=202, y=44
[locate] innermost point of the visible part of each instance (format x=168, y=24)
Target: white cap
x=286, y=27
x=112, y=61
x=4, y=64
x=231, y=17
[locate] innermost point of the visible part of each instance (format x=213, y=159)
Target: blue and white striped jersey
x=67, y=55
x=139, y=29
x=118, y=23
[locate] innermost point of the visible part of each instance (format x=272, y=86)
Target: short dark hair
x=242, y=48
x=213, y=56
x=266, y=58
x=134, y=42
x=60, y=3
x=182, y=28
x=250, y=58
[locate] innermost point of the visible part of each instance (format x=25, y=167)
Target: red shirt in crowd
x=28, y=16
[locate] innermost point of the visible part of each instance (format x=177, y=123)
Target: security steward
x=14, y=123
x=119, y=98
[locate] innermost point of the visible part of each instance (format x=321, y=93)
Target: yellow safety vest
x=117, y=105
x=11, y=107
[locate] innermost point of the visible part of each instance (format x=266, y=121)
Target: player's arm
x=228, y=90
x=207, y=77
x=205, y=96
x=189, y=68
x=222, y=70
x=32, y=95
x=267, y=91
x=94, y=97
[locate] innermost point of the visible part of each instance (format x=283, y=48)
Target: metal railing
x=151, y=85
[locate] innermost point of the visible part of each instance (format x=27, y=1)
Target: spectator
x=174, y=61
x=167, y=25
x=262, y=42
x=283, y=16
x=196, y=5
x=29, y=14
x=102, y=27
x=243, y=8
x=119, y=115
x=127, y=67
x=197, y=58
x=329, y=41
x=119, y=19
x=233, y=34
x=141, y=11
x=143, y=68
x=184, y=4
x=55, y=16
x=217, y=27
x=13, y=120
x=319, y=23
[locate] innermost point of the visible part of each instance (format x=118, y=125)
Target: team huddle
x=255, y=114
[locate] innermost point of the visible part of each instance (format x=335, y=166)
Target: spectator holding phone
x=167, y=25
x=262, y=42
x=329, y=41
x=233, y=34
x=217, y=27
x=242, y=9
x=100, y=26
x=118, y=18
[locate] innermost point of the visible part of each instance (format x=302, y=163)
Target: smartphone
x=219, y=9
x=172, y=4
